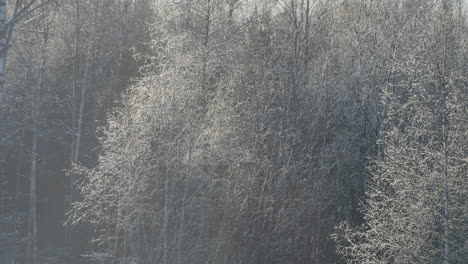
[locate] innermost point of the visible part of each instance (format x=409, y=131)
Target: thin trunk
x=18, y=185
x=81, y=110
x=295, y=57
x=206, y=40
x=19, y=167
x=188, y=15
x=446, y=12
x=75, y=77
x=124, y=33
x=231, y=4
x=32, y=225
x=84, y=84
x=305, y=46
x=207, y=23
x=74, y=85
x=3, y=43
x=69, y=200
x=166, y=213
x=116, y=232
x=445, y=150
x=32, y=250
x=182, y=213
x=446, y=192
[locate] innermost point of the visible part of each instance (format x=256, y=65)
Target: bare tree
x=32, y=251
x=21, y=11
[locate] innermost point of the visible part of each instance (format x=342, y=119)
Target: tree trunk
x=182, y=213
x=166, y=213
x=76, y=154
x=444, y=90
x=75, y=77
x=32, y=225
x=206, y=39
x=446, y=192
x=445, y=153
x=124, y=33
x=79, y=129
x=32, y=251
x=3, y=43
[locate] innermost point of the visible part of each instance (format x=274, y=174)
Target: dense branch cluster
x=232, y=131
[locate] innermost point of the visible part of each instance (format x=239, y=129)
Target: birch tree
x=32, y=245
x=407, y=213
x=21, y=11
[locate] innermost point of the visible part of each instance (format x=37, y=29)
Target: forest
x=233, y=131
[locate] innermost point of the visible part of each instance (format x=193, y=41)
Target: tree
x=410, y=201
x=21, y=11
x=36, y=131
